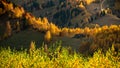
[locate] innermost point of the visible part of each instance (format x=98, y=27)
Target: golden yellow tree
x=7, y=6
x=64, y=32
x=47, y=36
x=81, y=5
x=18, y=12
x=89, y=1
x=87, y=30
x=54, y=29
x=45, y=20
x=32, y=47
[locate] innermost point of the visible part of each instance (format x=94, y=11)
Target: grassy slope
x=74, y=43
x=107, y=20
x=23, y=39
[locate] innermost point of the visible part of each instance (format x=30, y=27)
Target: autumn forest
x=59, y=34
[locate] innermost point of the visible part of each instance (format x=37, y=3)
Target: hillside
x=59, y=34
x=23, y=39
x=107, y=20
x=67, y=13
x=16, y=23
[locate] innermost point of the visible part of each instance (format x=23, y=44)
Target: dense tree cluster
x=101, y=38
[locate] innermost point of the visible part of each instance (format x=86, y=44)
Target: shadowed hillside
x=76, y=13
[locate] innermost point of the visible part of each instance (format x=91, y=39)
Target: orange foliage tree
x=7, y=6
x=47, y=36
x=89, y=1
x=18, y=12
x=54, y=29
x=64, y=31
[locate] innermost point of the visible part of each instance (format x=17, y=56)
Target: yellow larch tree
x=81, y=5
x=47, y=36
x=7, y=6
x=64, y=31
x=18, y=12
x=89, y=1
